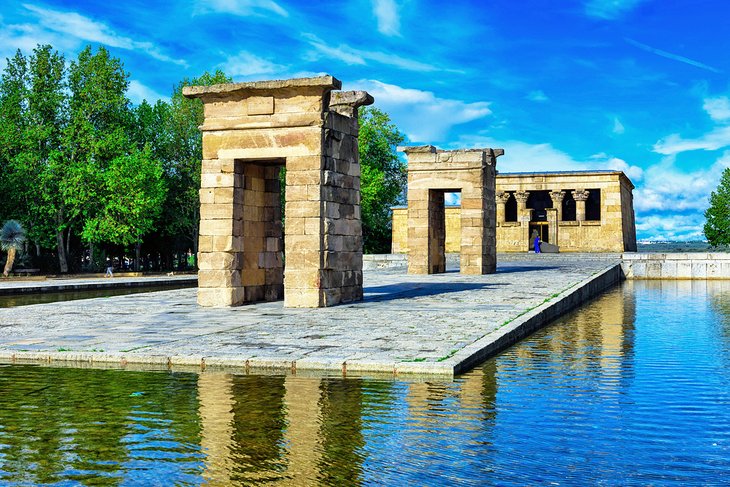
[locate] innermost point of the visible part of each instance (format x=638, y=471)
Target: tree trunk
x=62, y=263
x=92, y=266
x=9, y=263
x=68, y=241
x=138, y=252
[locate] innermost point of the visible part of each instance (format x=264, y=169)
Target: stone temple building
x=579, y=211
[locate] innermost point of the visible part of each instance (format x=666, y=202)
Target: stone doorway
x=542, y=229
x=262, y=271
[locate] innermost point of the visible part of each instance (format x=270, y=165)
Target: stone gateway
x=251, y=132
x=431, y=174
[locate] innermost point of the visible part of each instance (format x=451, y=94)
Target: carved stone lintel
x=580, y=194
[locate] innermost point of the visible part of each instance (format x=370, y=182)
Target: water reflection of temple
x=599, y=338
x=309, y=431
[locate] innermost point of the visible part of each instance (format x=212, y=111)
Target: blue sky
x=635, y=85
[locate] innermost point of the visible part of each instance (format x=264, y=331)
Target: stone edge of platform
x=534, y=319
x=461, y=361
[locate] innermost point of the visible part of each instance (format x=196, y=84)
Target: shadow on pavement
x=417, y=289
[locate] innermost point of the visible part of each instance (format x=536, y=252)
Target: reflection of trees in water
x=259, y=419
x=84, y=425
x=341, y=432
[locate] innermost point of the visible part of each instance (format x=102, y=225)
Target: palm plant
x=12, y=238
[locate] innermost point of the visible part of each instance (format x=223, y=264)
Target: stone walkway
x=405, y=324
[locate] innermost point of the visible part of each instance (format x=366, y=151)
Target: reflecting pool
x=633, y=389
x=11, y=301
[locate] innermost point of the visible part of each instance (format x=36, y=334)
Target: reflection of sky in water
x=633, y=389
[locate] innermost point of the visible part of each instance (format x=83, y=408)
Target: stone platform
x=429, y=324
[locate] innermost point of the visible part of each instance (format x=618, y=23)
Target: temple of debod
x=577, y=211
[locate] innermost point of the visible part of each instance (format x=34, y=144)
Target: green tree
x=46, y=118
x=717, y=226
x=134, y=194
x=383, y=177
x=182, y=160
x=97, y=133
x=13, y=106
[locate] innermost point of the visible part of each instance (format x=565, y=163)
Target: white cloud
x=26, y=37
x=618, y=127
x=717, y=138
x=243, y=8
x=386, y=12
x=422, y=115
x=717, y=108
x=86, y=29
x=138, y=92
x=353, y=56
x=246, y=64
x=537, y=96
x=610, y=9
x=669, y=189
x=669, y=55
x=672, y=227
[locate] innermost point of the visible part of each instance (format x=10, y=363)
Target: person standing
x=537, y=243
x=109, y=268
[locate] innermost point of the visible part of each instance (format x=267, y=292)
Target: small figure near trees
x=12, y=238
x=717, y=226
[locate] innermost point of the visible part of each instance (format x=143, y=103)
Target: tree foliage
x=383, y=177
x=717, y=226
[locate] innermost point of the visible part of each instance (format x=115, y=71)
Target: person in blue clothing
x=536, y=238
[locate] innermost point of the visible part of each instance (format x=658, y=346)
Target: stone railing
x=711, y=265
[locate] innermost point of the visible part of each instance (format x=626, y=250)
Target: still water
x=11, y=301
x=634, y=389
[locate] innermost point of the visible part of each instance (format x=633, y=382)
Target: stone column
x=580, y=196
x=552, y=218
x=501, y=199
x=521, y=197
x=557, y=196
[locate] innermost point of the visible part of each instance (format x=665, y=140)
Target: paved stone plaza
x=406, y=323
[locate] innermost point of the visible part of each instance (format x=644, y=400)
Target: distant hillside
x=696, y=246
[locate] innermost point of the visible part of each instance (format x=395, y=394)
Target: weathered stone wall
x=431, y=173
x=400, y=230
x=250, y=131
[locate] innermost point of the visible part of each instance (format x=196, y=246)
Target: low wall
x=701, y=265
